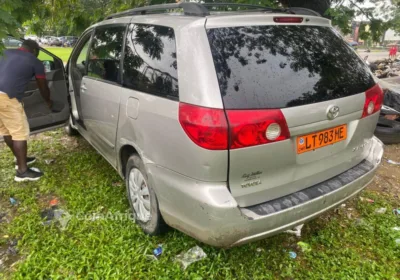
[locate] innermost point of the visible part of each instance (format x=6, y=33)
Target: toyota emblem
x=332, y=112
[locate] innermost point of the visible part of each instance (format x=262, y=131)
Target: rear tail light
x=373, y=101
x=288, y=19
x=256, y=127
x=206, y=127
x=209, y=128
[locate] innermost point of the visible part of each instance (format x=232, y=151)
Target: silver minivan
x=229, y=126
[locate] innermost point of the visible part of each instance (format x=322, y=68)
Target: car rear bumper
x=208, y=212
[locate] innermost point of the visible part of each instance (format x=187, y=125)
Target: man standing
x=17, y=67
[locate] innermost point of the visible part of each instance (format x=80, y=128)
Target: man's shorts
x=13, y=120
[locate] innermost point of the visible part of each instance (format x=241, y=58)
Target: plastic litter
x=296, y=231
x=292, y=255
x=367, y=199
x=13, y=201
x=49, y=161
x=195, y=254
x=53, y=202
x=396, y=212
x=305, y=247
x=158, y=251
x=59, y=215
x=380, y=211
x=393, y=162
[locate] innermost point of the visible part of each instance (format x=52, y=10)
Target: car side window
x=150, y=64
x=81, y=61
x=105, y=53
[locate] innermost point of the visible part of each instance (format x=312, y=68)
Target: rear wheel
x=142, y=198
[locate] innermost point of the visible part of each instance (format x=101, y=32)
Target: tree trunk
x=320, y=6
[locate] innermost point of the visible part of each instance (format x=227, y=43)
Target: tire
x=153, y=224
x=388, y=131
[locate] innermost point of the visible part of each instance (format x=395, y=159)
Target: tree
x=13, y=13
x=71, y=17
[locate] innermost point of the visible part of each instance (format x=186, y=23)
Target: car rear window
x=284, y=66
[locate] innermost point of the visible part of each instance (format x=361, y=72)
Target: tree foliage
x=71, y=17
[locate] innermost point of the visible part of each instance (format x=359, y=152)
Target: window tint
x=150, y=60
x=284, y=66
x=105, y=53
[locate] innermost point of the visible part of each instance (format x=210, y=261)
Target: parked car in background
x=45, y=40
x=54, y=41
x=11, y=42
x=70, y=42
x=32, y=37
x=230, y=127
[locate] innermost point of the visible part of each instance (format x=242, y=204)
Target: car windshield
x=284, y=66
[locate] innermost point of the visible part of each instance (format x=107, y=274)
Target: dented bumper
x=208, y=212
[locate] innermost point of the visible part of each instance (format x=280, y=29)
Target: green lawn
x=352, y=242
x=62, y=53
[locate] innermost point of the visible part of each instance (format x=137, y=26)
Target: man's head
x=31, y=46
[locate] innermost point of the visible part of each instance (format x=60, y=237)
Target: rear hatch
x=296, y=99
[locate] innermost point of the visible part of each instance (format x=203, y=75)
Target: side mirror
x=49, y=65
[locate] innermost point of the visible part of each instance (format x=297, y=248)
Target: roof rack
x=189, y=9
x=302, y=11
x=201, y=9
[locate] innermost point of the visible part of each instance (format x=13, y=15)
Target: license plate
x=321, y=139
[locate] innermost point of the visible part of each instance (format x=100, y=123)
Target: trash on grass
x=367, y=199
x=193, y=255
x=393, y=162
x=292, y=255
x=13, y=201
x=396, y=228
x=49, y=161
x=59, y=215
x=396, y=212
x=158, y=251
x=305, y=247
x=53, y=202
x=380, y=210
x=296, y=230
x=259, y=250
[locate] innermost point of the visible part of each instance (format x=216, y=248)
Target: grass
x=343, y=246
x=62, y=53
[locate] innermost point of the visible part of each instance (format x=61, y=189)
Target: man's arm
x=44, y=90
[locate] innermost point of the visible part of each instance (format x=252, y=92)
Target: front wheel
x=142, y=198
